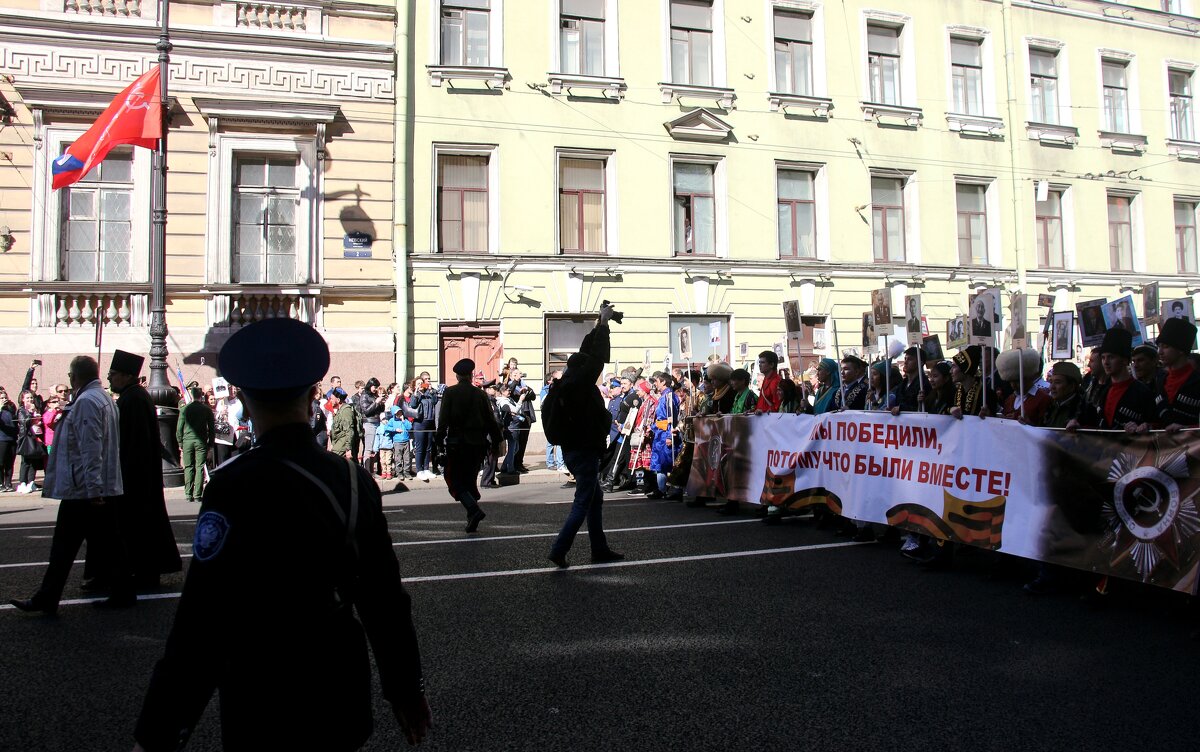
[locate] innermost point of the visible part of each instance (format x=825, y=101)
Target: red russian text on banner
x=133, y=118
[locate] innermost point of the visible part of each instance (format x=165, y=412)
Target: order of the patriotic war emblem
x=1149, y=518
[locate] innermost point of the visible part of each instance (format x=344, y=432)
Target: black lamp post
x=164, y=397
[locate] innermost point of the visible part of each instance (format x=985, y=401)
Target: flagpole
x=159, y=385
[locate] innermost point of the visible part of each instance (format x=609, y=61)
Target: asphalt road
x=715, y=634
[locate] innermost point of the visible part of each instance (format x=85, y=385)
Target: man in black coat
x=466, y=426
x=141, y=510
x=287, y=654
x=1124, y=402
x=579, y=408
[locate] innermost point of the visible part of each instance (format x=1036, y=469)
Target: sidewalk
x=21, y=509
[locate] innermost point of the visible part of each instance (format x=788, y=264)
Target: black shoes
x=607, y=557
x=568, y=484
x=474, y=520
x=655, y=494
x=729, y=508
x=695, y=503
x=560, y=560
x=34, y=605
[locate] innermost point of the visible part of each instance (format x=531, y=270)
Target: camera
x=617, y=316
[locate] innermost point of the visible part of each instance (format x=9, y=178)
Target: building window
x=97, y=213
x=1120, y=232
x=1185, y=235
x=1050, y=231
x=883, y=63
x=1171, y=6
x=581, y=205
x=793, y=52
x=972, y=223
x=581, y=41
x=691, y=42
x=887, y=218
x=462, y=203
x=465, y=32
x=1180, y=84
x=695, y=209
x=266, y=200
x=563, y=335
x=1043, y=79
x=797, y=223
x=1116, y=96
x=966, y=73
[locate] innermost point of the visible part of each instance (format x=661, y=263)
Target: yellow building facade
x=699, y=162
x=281, y=157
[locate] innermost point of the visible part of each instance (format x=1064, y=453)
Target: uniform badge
x=211, y=530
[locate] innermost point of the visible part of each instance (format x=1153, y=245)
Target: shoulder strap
x=350, y=521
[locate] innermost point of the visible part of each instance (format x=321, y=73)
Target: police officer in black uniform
x=293, y=572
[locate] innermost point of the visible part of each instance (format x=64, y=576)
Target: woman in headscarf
x=828, y=383
x=883, y=375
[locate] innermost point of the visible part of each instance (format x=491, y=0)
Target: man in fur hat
x=1030, y=398
x=1124, y=401
x=1178, y=402
x=1067, y=402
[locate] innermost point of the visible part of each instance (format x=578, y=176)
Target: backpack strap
x=351, y=520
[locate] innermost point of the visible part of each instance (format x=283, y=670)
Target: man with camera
x=576, y=418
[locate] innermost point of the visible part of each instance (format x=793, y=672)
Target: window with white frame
x=883, y=63
x=692, y=42
x=266, y=203
x=97, y=213
x=1115, y=95
x=1179, y=84
x=966, y=75
x=98, y=229
x=1185, y=234
x=465, y=32
x=462, y=203
x=695, y=208
x=563, y=334
x=793, y=52
x=581, y=205
x=797, y=213
x=1120, y=232
x=887, y=218
x=971, y=199
x=1043, y=82
x=1049, y=230
x=263, y=224
x=581, y=37
x=1171, y=6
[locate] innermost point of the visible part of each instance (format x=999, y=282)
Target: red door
x=479, y=342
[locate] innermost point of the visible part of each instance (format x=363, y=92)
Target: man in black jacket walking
x=578, y=406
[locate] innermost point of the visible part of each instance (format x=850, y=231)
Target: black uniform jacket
x=467, y=417
x=268, y=612
x=1185, y=408
x=1136, y=405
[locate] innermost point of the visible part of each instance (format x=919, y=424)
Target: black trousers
x=8, y=455
x=80, y=520
x=462, y=470
x=489, y=467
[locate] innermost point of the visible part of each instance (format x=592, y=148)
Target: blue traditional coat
x=666, y=447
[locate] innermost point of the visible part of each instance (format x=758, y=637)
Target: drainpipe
x=402, y=179
x=1010, y=72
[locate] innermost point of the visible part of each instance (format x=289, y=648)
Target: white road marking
x=542, y=570
x=477, y=539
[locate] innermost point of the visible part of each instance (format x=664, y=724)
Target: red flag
x=134, y=117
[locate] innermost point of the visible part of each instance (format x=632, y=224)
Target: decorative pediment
x=699, y=125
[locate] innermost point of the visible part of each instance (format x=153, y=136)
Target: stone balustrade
x=239, y=309
x=272, y=16
x=106, y=8
x=84, y=309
